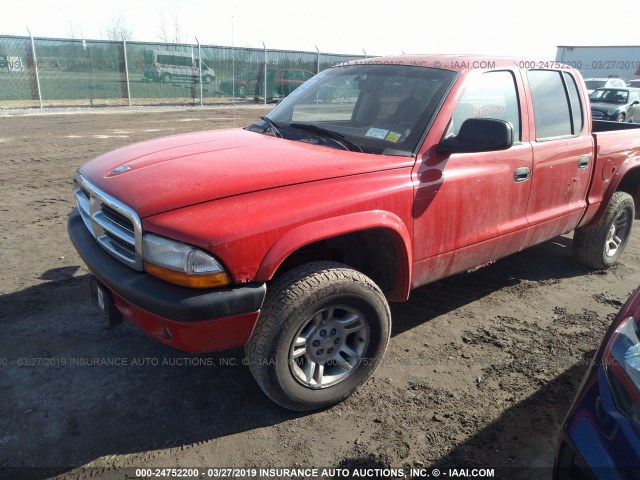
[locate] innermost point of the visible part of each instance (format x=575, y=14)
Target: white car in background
x=595, y=83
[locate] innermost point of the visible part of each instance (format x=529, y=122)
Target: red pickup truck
x=289, y=237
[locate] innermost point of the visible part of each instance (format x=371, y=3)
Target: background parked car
x=595, y=83
x=617, y=104
x=634, y=83
x=600, y=438
x=245, y=85
x=280, y=83
x=287, y=80
x=167, y=66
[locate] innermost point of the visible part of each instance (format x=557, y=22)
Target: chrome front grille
x=115, y=226
x=123, y=222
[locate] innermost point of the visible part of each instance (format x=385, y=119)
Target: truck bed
x=607, y=126
x=614, y=145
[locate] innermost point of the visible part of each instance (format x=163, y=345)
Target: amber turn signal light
x=210, y=280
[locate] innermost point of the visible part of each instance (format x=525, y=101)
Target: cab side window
x=556, y=104
x=577, y=115
x=491, y=95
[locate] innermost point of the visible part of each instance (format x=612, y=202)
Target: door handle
x=521, y=174
x=583, y=161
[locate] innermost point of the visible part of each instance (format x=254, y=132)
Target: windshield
x=593, y=84
x=606, y=95
x=371, y=108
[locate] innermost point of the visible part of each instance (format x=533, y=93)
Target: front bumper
x=192, y=320
x=598, y=115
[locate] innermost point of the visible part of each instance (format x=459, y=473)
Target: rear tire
x=600, y=245
x=323, y=330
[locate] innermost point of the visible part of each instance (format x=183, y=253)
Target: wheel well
x=372, y=252
x=631, y=185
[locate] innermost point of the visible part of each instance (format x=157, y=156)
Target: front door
x=470, y=208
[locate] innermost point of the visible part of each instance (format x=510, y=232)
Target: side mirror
x=479, y=135
x=637, y=102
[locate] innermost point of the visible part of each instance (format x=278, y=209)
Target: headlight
x=180, y=263
x=622, y=365
x=612, y=112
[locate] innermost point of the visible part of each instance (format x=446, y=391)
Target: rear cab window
x=557, y=109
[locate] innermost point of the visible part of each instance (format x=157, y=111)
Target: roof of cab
x=458, y=63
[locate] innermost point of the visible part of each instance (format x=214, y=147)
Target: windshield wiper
x=273, y=126
x=335, y=136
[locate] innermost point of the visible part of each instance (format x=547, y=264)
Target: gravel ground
x=480, y=371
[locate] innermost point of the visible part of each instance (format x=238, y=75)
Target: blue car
x=600, y=438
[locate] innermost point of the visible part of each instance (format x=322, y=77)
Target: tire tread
x=286, y=292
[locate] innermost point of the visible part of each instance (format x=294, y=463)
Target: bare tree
x=72, y=32
x=172, y=32
x=118, y=29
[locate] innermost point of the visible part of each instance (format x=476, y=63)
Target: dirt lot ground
x=480, y=371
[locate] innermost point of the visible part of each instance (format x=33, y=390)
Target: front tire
x=620, y=118
x=323, y=330
x=600, y=245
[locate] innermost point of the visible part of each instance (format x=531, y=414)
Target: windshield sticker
x=380, y=133
x=393, y=137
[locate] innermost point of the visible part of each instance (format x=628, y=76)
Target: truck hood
x=164, y=174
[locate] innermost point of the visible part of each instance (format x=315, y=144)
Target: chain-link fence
x=48, y=72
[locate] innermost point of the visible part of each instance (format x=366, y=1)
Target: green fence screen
x=51, y=72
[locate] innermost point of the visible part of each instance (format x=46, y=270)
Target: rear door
x=562, y=155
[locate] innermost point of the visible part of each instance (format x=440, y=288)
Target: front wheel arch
x=293, y=248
